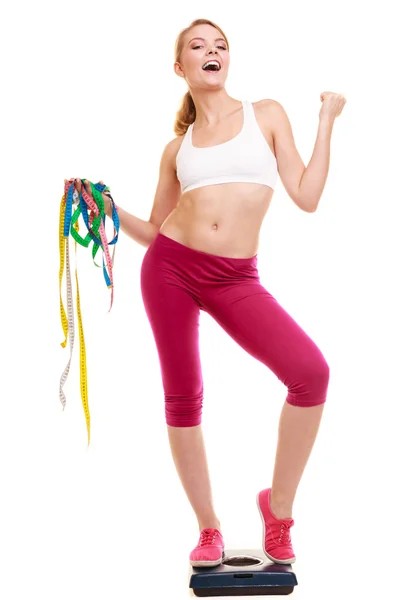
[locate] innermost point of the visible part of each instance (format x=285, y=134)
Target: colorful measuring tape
x=92, y=210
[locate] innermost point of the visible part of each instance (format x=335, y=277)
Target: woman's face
x=203, y=43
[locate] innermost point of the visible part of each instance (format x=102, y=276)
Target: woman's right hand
x=107, y=203
x=106, y=199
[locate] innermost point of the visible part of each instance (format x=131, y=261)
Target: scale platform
x=243, y=573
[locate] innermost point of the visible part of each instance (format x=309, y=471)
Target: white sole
x=287, y=561
x=207, y=563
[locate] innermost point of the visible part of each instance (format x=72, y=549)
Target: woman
x=216, y=182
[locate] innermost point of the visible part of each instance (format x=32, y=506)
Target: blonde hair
x=187, y=111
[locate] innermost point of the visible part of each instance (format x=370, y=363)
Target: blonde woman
x=216, y=182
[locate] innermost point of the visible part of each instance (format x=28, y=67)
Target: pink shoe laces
x=284, y=536
x=207, y=536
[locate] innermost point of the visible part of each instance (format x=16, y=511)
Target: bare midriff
x=223, y=219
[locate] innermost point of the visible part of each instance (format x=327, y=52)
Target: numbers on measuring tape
x=92, y=210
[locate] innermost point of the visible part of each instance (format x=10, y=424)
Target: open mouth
x=212, y=66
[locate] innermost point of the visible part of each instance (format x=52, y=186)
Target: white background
x=88, y=90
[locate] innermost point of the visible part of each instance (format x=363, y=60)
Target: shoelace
x=284, y=537
x=207, y=536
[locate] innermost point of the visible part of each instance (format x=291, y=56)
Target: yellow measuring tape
x=68, y=223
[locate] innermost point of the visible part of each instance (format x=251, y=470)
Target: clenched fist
x=332, y=105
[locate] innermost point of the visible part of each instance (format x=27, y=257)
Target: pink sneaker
x=210, y=549
x=276, y=542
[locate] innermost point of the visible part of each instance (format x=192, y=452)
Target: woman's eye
x=195, y=47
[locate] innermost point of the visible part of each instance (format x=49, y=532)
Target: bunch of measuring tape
x=91, y=207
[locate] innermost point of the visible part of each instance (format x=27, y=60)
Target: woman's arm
x=314, y=177
x=313, y=180
x=165, y=200
x=304, y=184
x=142, y=232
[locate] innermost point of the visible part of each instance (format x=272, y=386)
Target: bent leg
x=298, y=428
x=256, y=321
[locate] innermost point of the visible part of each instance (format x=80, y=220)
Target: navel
x=215, y=226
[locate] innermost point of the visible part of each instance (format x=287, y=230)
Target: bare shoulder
x=265, y=103
x=168, y=187
x=172, y=148
x=175, y=143
x=273, y=118
x=268, y=108
x=266, y=111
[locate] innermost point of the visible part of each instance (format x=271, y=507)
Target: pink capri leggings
x=177, y=282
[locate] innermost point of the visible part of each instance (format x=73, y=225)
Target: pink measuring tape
x=92, y=210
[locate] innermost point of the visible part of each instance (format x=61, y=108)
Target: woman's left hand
x=332, y=105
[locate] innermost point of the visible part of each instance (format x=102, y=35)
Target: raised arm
x=303, y=184
x=290, y=164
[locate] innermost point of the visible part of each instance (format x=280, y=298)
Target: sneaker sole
x=287, y=561
x=207, y=563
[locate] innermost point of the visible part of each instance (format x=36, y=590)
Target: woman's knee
x=311, y=386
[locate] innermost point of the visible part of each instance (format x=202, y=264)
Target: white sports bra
x=245, y=158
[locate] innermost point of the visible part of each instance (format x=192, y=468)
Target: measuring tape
x=92, y=211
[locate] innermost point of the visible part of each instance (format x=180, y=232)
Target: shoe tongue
x=210, y=530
